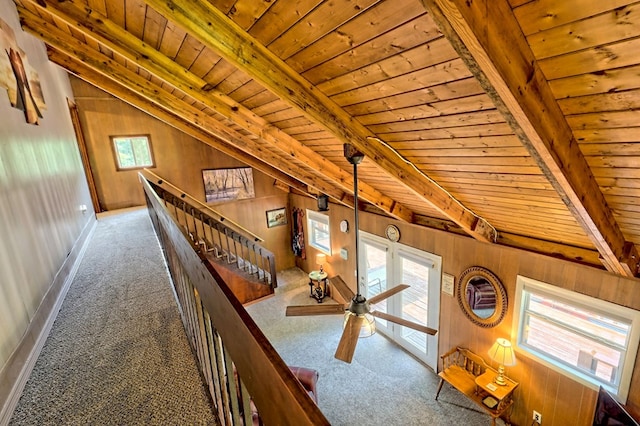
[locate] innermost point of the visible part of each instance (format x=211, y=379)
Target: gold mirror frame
x=478, y=272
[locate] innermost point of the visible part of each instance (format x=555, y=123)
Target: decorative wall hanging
x=277, y=217
x=18, y=77
x=228, y=184
x=481, y=296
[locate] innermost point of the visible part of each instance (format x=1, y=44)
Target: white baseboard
x=18, y=368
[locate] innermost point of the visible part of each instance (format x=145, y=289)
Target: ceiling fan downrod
x=355, y=157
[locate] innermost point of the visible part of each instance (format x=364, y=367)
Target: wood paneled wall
x=561, y=400
x=179, y=158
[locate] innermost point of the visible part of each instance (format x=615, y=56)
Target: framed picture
x=228, y=184
x=276, y=217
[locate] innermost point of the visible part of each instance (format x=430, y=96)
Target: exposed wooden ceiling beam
x=483, y=31
x=92, y=24
x=111, y=70
x=132, y=98
x=215, y=30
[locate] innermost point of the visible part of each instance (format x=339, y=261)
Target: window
x=587, y=339
x=319, y=231
x=132, y=152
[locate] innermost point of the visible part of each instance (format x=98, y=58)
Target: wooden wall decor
x=18, y=77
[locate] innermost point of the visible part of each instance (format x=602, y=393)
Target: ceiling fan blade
x=387, y=293
x=324, y=309
x=349, y=338
x=406, y=323
x=340, y=291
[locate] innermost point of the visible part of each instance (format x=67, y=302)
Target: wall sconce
x=502, y=353
x=323, y=202
x=321, y=259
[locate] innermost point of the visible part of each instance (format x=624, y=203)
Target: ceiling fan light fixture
x=368, y=327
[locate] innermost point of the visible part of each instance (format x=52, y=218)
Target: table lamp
x=321, y=258
x=502, y=353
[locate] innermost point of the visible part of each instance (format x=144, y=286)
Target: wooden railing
x=214, y=234
x=225, y=338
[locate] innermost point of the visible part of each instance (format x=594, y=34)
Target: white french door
x=383, y=265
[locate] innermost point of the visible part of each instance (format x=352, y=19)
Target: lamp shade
x=502, y=352
x=321, y=259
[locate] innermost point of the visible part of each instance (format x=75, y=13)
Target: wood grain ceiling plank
x=246, y=91
x=115, y=11
x=611, y=26
x=154, y=25
x=606, y=183
x=246, y=12
x=134, y=17
x=446, y=72
x=481, y=168
x=319, y=22
x=605, y=120
x=525, y=161
x=468, y=152
x=365, y=40
x=271, y=107
x=283, y=115
x=503, y=141
x=260, y=99
x=234, y=81
x=281, y=16
x=612, y=135
x=277, y=76
x=612, y=149
x=599, y=82
x=614, y=101
x=605, y=172
x=172, y=39
x=445, y=121
x=433, y=109
x=493, y=179
x=544, y=14
x=219, y=72
x=484, y=130
x=203, y=61
x=336, y=77
x=189, y=51
x=593, y=60
x=482, y=33
x=458, y=89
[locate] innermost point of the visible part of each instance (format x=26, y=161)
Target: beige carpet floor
x=382, y=386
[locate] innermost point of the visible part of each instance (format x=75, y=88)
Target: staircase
x=236, y=253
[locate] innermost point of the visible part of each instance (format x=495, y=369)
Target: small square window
x=132, y=152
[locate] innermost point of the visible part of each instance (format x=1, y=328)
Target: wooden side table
x=502, y=395
x=318, y=285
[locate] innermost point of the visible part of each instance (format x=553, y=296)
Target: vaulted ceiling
x=516, y=123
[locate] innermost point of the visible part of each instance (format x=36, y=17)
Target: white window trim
x=321, y=218
x=611, y=309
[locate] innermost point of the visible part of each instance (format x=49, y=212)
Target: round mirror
x=481, y=296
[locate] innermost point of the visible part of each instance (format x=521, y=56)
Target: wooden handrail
x=168, y=186
x=223, y=335
x=214, y=234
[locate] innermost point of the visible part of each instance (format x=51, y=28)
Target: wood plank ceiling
x=514, y=122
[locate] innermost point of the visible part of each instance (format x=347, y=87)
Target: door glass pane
x=376, y=274
x=415, y=300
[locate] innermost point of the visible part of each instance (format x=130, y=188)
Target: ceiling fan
x=357, y=311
